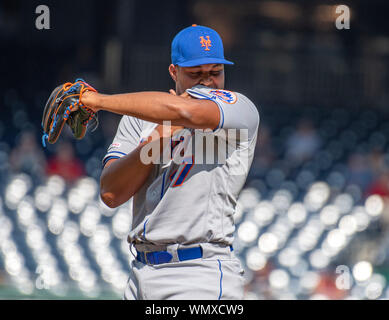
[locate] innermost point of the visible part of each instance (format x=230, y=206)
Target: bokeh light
x=255, y=259
x=268, y=243
x=297, y=214
x=317, y=196
x=362, y=271
x=247, y=231
x=279, y=279
x=374, y=205
x=264, y=213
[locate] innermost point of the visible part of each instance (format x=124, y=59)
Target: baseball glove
x=63, y=106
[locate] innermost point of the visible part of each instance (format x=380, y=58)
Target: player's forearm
x=157, y=107
x=122, y=178
x=150, y=106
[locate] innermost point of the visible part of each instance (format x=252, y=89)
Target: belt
x=159, y=257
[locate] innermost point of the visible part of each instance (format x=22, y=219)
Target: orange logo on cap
x=205, y=43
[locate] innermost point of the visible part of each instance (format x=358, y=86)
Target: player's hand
x=162, y=136
x=90, y=99
x=167, y=131
x=184, y=95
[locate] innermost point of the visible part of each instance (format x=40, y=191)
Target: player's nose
x=206, y=81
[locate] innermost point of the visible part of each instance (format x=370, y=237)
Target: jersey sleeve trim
x=119, y=152
x=112, y=155
x=221, y=121
x=106, y=159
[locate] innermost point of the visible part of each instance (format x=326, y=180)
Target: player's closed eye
x=198, y=74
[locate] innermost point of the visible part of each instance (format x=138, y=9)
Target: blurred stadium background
x=314, y=215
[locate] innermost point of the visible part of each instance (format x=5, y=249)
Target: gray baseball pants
x=218, y=275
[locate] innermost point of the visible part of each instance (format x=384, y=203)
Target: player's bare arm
x=157, y=107
x=160, y=106
x=114, y=186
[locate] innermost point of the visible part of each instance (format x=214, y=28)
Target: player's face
x=209, y=75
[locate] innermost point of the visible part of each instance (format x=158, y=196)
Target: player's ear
x=173, y=72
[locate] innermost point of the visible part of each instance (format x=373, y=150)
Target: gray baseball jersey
x=191, y=197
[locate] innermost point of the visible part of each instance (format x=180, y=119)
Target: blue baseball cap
x=197, y=45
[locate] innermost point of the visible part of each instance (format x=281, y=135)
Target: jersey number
x=183, y=174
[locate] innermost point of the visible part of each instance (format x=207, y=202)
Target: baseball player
x=183, y=208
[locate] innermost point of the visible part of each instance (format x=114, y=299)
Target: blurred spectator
x=65, y=163
x=377, y=162
x=259, y=283
x=359, y=171
x=380, y=186
x=264, y=154
x=27, y=157
x=303, y=143
x=327, y=287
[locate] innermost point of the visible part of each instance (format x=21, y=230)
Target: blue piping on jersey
x=222, y=118
x=144, y=229
x=221, y=280
x=109, y=158
x=163, y=183
x=112, y=157
x=124, y=154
